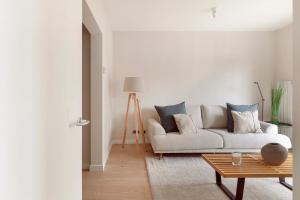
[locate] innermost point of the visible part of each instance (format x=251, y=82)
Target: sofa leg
x=160, y=156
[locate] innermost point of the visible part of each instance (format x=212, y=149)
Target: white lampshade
x=133, y=84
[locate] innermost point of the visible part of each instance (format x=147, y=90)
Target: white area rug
x=191, y=178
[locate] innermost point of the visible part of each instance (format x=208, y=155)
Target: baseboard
x=119, y=141
x=129, y=141
x=96, y=168
x=100, y=167
x=106, y=159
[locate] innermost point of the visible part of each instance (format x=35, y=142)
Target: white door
x=64, y=142
x=40, y=83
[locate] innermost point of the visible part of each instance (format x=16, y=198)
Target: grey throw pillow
x=166, y=115
x=238, y=108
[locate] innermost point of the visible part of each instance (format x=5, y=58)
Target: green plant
x=277, y=94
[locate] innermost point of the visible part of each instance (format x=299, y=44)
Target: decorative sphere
x=274, y=154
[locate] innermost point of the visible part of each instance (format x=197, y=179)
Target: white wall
x=22, y=126
x=196, y=67
x=40, y=57
x=284, y=53
x=296, y=100
x=284, y=72
x=101, y=18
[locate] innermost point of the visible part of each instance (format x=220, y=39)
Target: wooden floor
x=125, y=176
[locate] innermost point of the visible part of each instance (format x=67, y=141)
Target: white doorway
x=92, y=99
x=86, y=97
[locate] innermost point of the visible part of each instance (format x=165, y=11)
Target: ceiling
x=196, y=15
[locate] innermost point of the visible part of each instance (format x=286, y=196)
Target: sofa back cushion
x=214, y=116
x=195, y=113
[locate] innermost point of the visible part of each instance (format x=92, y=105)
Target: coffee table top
x=252, y=166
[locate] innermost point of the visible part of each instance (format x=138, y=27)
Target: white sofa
x=212, y=135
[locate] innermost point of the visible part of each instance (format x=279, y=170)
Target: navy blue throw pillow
x=238, y=108
x=166, y=115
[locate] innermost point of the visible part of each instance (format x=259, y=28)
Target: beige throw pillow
x=185, y=124
x=246, y=122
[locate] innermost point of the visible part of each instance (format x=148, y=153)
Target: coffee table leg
x=239, y=188
x=218, y=179
x=282, y=182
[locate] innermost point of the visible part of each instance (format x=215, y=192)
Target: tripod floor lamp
x=134, y=85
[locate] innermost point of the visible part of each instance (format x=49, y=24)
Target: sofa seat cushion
x=174, y=141
x=250, y=140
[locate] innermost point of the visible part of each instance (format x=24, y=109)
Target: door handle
x=82, y=122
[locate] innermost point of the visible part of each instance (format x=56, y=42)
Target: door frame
x=96, y=88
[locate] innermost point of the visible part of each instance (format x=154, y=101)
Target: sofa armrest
x=155, y=128
x=269, y=128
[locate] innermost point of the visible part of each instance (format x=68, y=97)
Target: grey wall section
x=102, y=73
x=296, y=100
x=86, y=97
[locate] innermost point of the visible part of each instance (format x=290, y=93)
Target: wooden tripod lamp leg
x=141, y=123
x=126, y=119
x=136, y=120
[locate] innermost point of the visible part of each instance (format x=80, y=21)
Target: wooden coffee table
x=252, y=167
